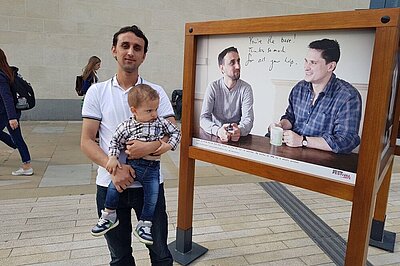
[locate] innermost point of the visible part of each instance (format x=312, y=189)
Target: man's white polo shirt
x=107, y=102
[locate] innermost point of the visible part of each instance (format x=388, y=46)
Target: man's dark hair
x=330, y=49
x=135, y=30
x=224, y=52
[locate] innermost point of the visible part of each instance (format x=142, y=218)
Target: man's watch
x=304, y=143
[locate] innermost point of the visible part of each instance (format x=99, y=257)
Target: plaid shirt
x=335, y=115
x=148, y=131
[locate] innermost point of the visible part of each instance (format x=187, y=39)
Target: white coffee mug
x=276, y=136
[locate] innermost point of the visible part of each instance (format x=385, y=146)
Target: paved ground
x=46, y=218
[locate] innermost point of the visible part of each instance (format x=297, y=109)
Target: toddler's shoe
x=106, y=222
x=143, y=232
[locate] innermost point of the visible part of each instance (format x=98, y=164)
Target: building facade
x=51, y=40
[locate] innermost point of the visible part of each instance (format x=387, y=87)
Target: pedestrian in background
x=9, y=117
x=89, y=74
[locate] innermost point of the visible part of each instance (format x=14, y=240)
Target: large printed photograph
x=294, y=100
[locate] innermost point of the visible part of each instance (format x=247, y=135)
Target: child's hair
x=142, y=93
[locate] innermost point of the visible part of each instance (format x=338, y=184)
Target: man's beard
x=235, y=76
x=129, y=69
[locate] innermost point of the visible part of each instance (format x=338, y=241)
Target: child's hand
x=164, y=147
x=112, y=165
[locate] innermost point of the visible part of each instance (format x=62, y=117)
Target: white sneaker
x=21, y=171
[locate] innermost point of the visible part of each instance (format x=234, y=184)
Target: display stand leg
x=381, y=238
x=183, y=250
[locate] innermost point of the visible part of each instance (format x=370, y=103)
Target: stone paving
x=46, y=218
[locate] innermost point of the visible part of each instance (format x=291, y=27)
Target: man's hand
x=223, y=133
x=164, y=147
x=235, y=132
x=136, y=149
x=292, y=139
x=123, y=177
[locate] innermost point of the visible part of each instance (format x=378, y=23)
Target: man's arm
x=285, y=124
x=288, y=119
x=207, y=109
x=345, y=136
x=124, y=175
x=318, y=143
x=88, y=144
x=247, y=119
x=293, y=139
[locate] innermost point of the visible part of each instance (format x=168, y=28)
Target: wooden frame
x=373, y=169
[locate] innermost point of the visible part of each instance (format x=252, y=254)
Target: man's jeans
x=119, y=239
x=148, y=174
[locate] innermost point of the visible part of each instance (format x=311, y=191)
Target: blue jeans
x=148, y=174
x=14, y=139
x=112, y=197
x=119, y=240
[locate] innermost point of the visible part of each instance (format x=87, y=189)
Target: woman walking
x=9, y=117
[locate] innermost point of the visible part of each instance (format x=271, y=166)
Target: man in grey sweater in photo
x=227, y=110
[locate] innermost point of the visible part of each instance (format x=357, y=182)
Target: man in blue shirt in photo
x=324, y=111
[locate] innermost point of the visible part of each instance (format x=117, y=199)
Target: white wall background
x=51, y=40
